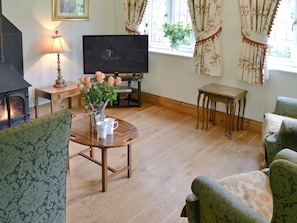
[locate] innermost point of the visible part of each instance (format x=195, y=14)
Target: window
x=282, y=41
x=158, y=13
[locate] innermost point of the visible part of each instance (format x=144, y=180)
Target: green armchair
x=249, y=197
x=33, y=168
x=285, y=109
x=285, y=137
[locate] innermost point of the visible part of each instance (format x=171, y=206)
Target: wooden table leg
x=207, y=112
x=203, y=108
x=104, y=169
x=198, y=102
x=232, y=108
x=243, y=109
x=227, y=116
x=129, y=154
x=238, y=115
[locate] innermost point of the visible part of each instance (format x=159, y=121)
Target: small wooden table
x=54, y=94
x=213, y=93
x=124, y=135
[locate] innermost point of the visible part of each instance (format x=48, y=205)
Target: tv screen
x=115, y=53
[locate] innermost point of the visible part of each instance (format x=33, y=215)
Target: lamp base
x=60, y=83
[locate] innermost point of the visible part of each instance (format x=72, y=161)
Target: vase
x=99, y=111
x=97, y=114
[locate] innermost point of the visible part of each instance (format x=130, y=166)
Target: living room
x=170, y=76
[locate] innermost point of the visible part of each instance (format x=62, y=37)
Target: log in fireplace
x=14, y=96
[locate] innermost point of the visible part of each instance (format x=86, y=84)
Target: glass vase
x=99, y=111
x=97, y=114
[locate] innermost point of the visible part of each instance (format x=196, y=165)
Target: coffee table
x=124, y=135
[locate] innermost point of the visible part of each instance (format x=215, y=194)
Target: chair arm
x=287, y=154
x=192, y=207
x=286, y=106
x=216, y=204
x=283, y=177
x=286, y=137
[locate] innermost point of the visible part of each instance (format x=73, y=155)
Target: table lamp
x=58, y=46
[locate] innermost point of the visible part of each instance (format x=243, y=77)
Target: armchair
x=248, y=197
x=285, y=137
x=285, y=109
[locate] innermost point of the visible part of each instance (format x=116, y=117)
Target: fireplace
x=14, y=97
x=14, y=108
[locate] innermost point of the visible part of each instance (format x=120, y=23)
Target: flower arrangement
x=99, y=91
x=177, y=33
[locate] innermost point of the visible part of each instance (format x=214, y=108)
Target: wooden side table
x=213, y=93
x=123, y=136
x=54, y=94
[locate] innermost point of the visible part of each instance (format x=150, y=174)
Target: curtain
x=134, y=10
x=206, y=22
x=257, y=20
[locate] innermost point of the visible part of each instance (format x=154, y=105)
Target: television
x=115, y=54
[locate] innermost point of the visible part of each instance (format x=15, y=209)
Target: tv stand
x=129, y=95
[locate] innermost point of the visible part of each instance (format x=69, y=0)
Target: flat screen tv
x=115, y=53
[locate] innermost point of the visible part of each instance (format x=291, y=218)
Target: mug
x=112, y=124
x=101, y=128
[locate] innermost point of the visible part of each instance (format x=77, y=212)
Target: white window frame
x=283, y=64
x=163, y=45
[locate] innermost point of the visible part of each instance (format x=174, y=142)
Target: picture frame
x=70, y=10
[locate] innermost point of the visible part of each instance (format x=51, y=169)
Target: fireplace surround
x=14, y=97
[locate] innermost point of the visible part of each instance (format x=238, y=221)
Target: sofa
x=285, y=109
x=256, y=196
x=33, y=168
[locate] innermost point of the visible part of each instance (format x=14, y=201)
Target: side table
x=213, y=93
x=54, y=94
x=123, y=136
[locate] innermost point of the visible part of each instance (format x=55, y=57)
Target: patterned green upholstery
x=277, y=135
x=33, y=167
x=286, y=106
x=212, y=202
x=286, y=137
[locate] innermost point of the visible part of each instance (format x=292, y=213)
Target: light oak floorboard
x=169, y=153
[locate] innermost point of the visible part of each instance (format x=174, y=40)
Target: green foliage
x=177, y=33
x=100, y=90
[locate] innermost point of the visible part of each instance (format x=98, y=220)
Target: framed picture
x=70, y=10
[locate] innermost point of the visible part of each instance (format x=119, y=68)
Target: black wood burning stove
x=14, y=97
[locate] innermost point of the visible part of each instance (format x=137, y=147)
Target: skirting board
x=191, y=109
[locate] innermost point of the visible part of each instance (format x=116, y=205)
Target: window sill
x=281, y=67
x=170, y=52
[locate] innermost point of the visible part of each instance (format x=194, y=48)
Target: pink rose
x=87, y=78
x=89, y=84
x=100, y=74
x=81, y=79
x=100, y=79
x=79, y=85
x=119, y=80
x=111, y=80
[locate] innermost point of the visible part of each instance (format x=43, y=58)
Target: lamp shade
x=58, y=45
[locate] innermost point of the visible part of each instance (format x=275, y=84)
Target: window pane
x=281, y=37
x=157, y=18
x=160, y=12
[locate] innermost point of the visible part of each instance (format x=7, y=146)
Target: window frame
x=170, y=17
x=283, y=64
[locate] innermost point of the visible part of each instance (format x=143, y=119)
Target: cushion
x=253, y=189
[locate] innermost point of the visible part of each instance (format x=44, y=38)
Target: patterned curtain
x=134, y=12
x=206, y=22
x=257, y=18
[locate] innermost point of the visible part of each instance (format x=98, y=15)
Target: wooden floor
x=169, y=153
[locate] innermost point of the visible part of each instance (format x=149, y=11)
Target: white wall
x=34, y=19
x=173, y=77
x=169, y=76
